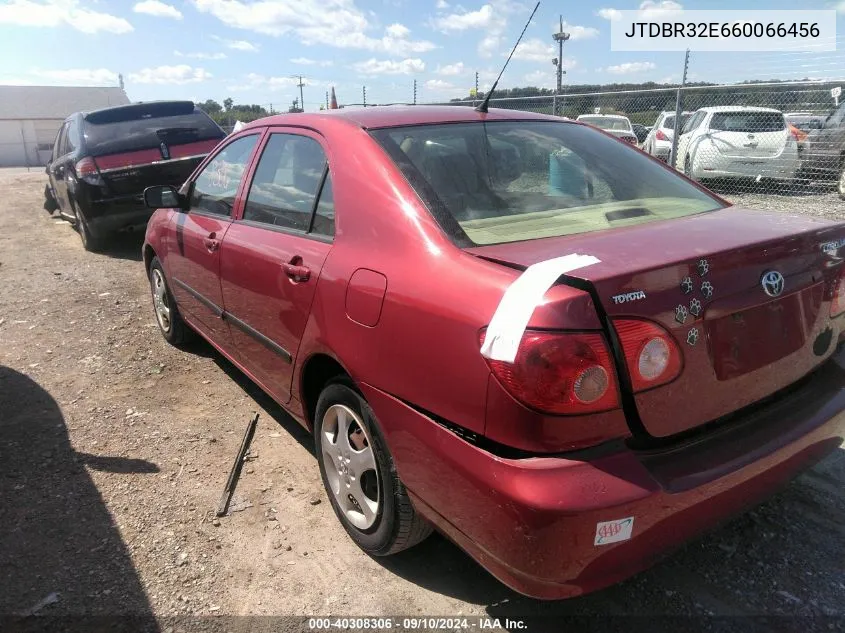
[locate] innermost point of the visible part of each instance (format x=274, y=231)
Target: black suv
x=103, y=160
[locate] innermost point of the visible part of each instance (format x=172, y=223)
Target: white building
x=30, y=118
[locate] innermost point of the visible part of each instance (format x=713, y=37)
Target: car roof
x=737, y=108
x=399, y=115
x=604, y=116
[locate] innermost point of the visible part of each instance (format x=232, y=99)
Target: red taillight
x=660, y=136
x=86, y=167
x=651, y=354
x=837, y=306
x=564, y=373
x=798, y=134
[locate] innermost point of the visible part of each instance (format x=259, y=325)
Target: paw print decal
x=695, y=307
x=703, y=267
x=692, y=336
x=686, y=285
x=681, y=314
x=707, y=289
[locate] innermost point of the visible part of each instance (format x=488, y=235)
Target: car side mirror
x=164, y=197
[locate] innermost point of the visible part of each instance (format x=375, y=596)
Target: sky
x=254, y=51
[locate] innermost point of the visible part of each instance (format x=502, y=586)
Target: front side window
x=216, y=186
x=509, y=181
x=286, y=183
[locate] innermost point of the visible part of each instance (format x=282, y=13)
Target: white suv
x=737, y=142
x=658, y=143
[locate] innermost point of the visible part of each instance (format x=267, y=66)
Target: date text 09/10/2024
x=415, y=623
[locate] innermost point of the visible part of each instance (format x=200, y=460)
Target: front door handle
x=211, y=242
x=296, y=272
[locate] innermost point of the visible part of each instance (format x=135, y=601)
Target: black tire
x=397, y=525
x=178, y=333
x=50, y=204
x=90, y=242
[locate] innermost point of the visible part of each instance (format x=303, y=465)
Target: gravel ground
x=115, y=447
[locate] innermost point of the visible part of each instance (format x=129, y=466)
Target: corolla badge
x=772, y=283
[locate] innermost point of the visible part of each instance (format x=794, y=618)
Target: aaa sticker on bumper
x=614, y=531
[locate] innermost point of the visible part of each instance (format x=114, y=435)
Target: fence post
x=676, y=132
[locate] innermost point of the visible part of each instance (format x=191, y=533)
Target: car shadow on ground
x=126, y=245
x=282, y=417
x=61, y=553
x=735, y=570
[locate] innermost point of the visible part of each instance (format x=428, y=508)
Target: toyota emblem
x=772, y=282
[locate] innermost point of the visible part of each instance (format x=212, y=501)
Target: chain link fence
x=767, y=144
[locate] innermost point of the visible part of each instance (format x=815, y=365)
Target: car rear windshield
x=669, y=121
x=748, y=122
x=607, y=123
x=508, y=181
x=147, y=125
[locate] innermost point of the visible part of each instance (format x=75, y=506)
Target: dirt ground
x=115, y=447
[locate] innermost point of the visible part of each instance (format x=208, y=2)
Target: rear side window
x=72, y=136
x=147, y=126
x=747, y=122
x=286, y=184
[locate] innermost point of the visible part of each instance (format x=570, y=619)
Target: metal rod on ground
x=677, y=128
x=235, y=473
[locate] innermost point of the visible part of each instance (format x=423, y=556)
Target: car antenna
x=484, y=104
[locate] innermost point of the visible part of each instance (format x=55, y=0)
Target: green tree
x=228, y=103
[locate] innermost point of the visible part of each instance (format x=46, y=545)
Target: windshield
x=606, y=122
x=507, y=181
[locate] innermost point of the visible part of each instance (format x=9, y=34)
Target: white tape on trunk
x=519, y=301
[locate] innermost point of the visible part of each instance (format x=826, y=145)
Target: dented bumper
x=555, y=527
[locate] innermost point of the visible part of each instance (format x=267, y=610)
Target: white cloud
x=397, y=30
x=442, y=4
x=237, y=45
x=305, y=61
x=649, y=8
x=534, y=50
x=79, y=76
x=450, y=70
x=480, y=19
x=630, y=67
x=200, y=55
x=158, y=9
x=577, y=32
x=337, y=23
x=438, y=84
x=53, y=13
x=181, y=74
x=840, y=8
x=609, y=14
x=389, y=67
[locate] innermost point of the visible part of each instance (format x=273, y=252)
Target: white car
x=658, y=143
x=737, y=142
x=616, y=124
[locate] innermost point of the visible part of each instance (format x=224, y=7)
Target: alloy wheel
x=160, y=301
x=350, y=466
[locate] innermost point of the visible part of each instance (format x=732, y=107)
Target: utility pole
x=415, y=92
x=327, y=99
x=560, y=37
x=476, y=87
x=365, y=95
x=301, y=98
x=677, y=129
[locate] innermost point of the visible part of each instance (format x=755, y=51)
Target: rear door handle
x=211, y=242
x=295, y=272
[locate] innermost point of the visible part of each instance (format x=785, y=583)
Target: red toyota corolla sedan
x=513, y=328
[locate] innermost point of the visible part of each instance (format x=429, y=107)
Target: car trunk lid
x=700, y=277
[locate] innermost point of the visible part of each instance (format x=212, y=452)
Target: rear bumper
x=779, y=168
x=115, y=214
x=533, y=522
